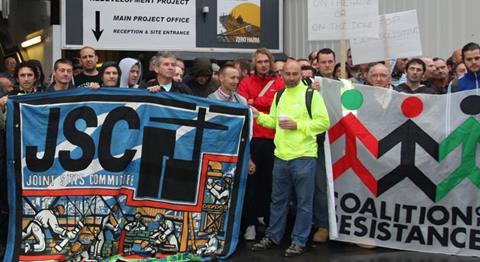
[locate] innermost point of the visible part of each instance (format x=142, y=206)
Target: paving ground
x=341, y=252
x=336, y=251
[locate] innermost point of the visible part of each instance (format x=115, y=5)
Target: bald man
x=429, y=70
x=10, y=63
x=457, y=56
x=379, y=75
x=6, y=86
x=295, y=158
x=90, y=76
x=229, y=78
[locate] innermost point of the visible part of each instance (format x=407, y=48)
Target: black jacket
x=424, y=89
x=176, y=87
x=202, y=67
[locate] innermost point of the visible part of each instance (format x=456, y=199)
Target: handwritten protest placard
x=342, y=19
x=399, y=37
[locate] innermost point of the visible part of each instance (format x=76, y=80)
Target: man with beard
x=471, y=58
x=295, y=158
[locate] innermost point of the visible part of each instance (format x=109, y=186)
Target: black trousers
x=259, y=185
x=3, y=196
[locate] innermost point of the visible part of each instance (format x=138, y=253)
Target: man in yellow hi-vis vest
x=295, y=158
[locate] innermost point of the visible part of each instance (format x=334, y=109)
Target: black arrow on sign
x=97, y=32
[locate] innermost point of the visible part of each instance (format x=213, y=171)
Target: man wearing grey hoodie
x=132, y=72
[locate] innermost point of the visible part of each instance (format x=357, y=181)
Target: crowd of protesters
x=287, y=146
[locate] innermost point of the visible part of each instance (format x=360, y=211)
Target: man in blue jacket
x=471, y=58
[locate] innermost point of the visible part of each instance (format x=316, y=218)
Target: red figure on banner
x=352, y=128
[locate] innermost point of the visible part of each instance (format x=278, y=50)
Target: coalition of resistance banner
x=124, y=173
x=404, y=168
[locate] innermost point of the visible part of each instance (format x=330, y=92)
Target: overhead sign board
x=176, y=25
x=154, y=24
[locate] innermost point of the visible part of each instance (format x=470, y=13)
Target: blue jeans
x=298, y=173
x=320, y=203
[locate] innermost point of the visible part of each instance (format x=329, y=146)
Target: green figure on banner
x=467, y=135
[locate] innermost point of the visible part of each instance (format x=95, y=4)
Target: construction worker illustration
x=110, y=224
x=77, y=253
x=220, y=189
x=164, y=236
x=44, y=219
x=211, y=246
x=137, y=224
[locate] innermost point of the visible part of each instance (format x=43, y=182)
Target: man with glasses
x=379, y=76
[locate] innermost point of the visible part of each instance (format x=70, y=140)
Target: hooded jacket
x=202, y=67
x=470, y=80
x=126, y=65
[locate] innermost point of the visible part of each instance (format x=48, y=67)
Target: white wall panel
x=445, y=25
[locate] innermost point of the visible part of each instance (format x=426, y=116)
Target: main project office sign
x=177, y=25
